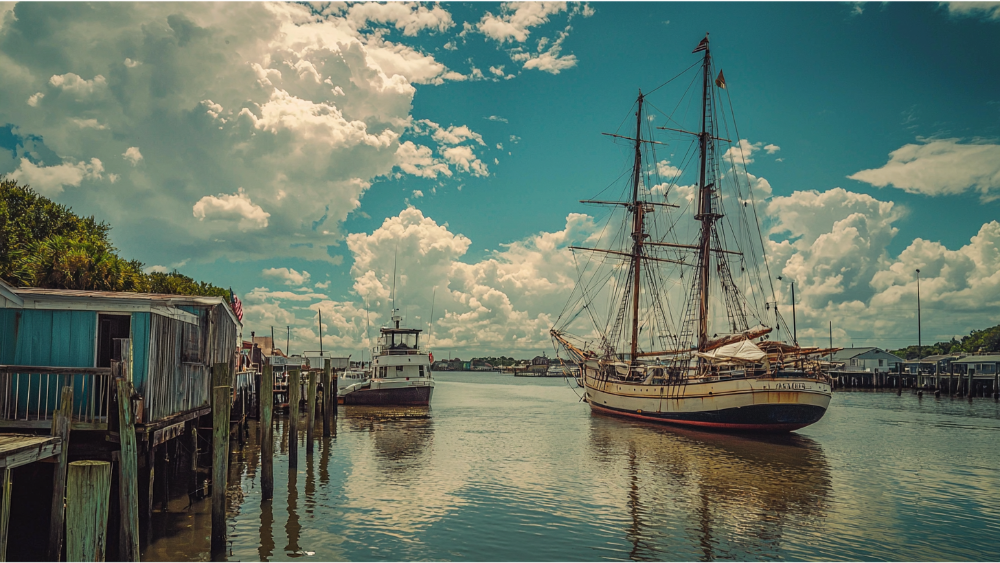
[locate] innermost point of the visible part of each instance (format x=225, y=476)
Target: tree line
x=987, y=340
x=44, y=244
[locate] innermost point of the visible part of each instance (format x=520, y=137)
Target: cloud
x=408, y=17
x=742, y=152
x=287, y=275
x=419, y=160
x=50, y=180
x=452, y=135
x=132, y=155
x=547, y=61
x=940, y=167
x=417, y=194
x=497, y=118
x=303, y=108
x=232, y=207
x=74, y=84
x=988, y=10
x=463, y=158
x=515, y=19
x=771, y=149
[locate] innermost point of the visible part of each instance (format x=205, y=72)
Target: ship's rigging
x=651, y=254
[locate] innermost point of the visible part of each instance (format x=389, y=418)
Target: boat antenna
x=394, y=279
x=431, y=331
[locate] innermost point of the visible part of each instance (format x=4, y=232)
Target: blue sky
x=250, y=145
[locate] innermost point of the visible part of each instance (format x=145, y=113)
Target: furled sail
x=742, y=352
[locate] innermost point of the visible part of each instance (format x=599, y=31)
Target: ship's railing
x=29, y=395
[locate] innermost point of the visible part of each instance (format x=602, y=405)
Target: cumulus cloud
x=547, y=60
x=419, y=160
x=74, y=84
x=287, y=275
x=988, y=10
x=232, y=207
x=515, y=19
x=940, y=167
x=466, y=160
x=408, y=17
x=132, y=155
x=50, y=180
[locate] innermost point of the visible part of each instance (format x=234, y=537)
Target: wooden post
x=311, y=410
x=329, y=398
x=128, y=476
x=5, y=513
x=88, y=490
x=266, y=402
x=221, y=397
x=61, y=422
x=293, y=418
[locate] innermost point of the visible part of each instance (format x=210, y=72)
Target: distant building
x=981, y=366
x=868, y=359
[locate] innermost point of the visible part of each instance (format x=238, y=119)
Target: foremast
x=638, y=233
x=706, y=214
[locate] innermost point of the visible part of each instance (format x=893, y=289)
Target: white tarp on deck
x=741, y=352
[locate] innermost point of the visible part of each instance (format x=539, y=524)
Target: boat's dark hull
x=752, y=418
x=406, y=396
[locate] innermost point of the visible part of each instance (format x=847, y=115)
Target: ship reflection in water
x=720, y=496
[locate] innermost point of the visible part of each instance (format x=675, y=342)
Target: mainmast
x=637, y=230
x=705, y=214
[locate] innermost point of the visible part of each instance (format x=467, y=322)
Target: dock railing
x=29, y=395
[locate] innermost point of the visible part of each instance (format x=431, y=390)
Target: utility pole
x=920, y=347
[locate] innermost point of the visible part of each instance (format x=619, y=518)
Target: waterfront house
x=165, y=345
x=984, y=369
x=868, y=366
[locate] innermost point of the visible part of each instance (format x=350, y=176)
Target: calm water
x=517, y=469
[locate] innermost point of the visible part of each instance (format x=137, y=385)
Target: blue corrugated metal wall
x=140, y=350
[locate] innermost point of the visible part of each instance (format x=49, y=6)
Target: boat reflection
x=727, y=496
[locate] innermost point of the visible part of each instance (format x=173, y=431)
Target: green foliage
x=45, y=244
x=987, y=340
x=495, y=362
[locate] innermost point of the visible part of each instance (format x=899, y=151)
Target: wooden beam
x=267, y=434
x=128, y=476
x=60, y=429
x=54, y=370
x=88, y=489
x=221, y=397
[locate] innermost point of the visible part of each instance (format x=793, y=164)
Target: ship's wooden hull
x=777, y=404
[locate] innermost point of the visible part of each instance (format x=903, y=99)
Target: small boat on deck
x=401, y=372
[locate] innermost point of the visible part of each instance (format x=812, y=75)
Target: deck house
x=165, y=345
x=984, y=370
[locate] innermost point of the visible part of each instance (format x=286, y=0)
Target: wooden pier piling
x=5, y=512
x=266, y=403
x=88, y=490
x=329, y=398
x=294, y=389
x=61, y=422
x=221, y=397
x=311, y=411
x=128, y=476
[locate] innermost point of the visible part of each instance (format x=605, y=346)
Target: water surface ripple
x=517, y=469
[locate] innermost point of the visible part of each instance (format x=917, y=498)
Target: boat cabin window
x=401, y=341
x=421, y=371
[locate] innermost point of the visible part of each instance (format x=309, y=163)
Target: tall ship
x=401, y=372
x=671, y=317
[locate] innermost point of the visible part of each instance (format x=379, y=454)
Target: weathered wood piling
x=221, y=397
x=329, y=398
x=88, y=490
x=311, y=412
x=294, y=389
x=61, y=422
x=266, y=402
x=128, y=476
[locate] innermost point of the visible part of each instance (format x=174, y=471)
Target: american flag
x=703, y=46
x=237, y=306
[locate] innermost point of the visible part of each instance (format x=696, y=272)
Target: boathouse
x=165, y=344
x=870, y=359
x=983, y=371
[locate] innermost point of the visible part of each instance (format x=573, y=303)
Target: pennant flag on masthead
x=721, y=81
x=703, y=46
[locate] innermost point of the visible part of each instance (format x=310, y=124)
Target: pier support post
x=5, y=513
x=329, y=402
x=294, y=388
x=221, y=396
x=88, y=490
x=61, y=422
x=311, y=412
x=267, y=434
x=128, y=476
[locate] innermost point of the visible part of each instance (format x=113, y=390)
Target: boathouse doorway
x=109, y=328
